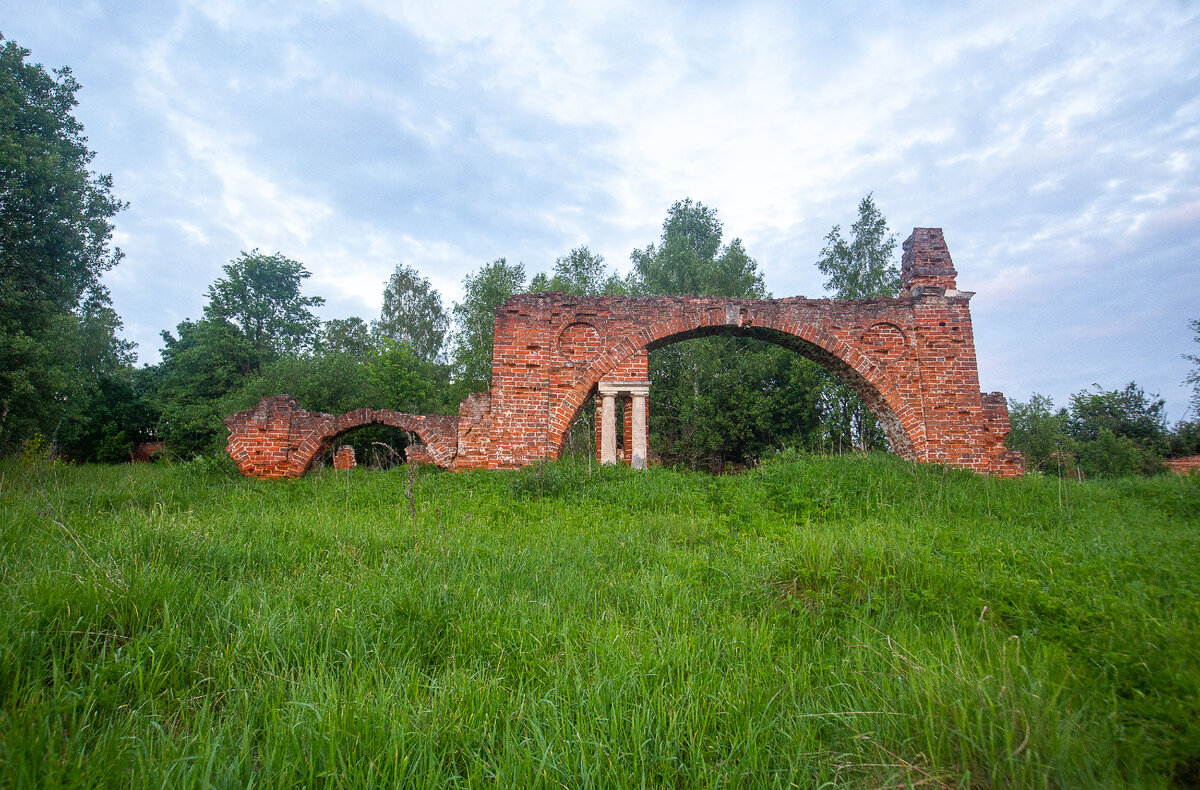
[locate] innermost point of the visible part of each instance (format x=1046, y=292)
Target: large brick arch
x=868, y=380
x=911, y=359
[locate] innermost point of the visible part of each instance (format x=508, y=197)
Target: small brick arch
x=278, y=439
x=911, y=359
x=326, y=433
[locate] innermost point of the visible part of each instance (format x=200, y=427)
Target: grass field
x=813, y=622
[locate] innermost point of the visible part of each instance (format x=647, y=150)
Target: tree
x=345, y=336
x=55, y=232
x=475, y=320
x=580, y=271
x=1039, y=433
x=689, y=260
x=112, y=413
x=54, y=212
x=860, y=268
x=1103, y=433
x=1126, y=412
x=254, y=316
x=412, y=313
x=260, y=297
x=718, y=399
x=1193, y=376
x=209, y=359
x=863, y=267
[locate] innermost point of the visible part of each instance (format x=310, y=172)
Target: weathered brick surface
x=277, y=439
x=1184, y=466
x=910, y=359
x=344, y=458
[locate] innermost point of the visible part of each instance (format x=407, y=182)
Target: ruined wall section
x=278, y=439
x=910, y=359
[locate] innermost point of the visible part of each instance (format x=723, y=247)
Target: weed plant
x=814, y=622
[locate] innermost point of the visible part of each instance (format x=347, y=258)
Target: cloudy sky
x=1057, y=143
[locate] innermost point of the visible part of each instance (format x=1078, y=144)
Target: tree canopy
x=475, y=318
x=58, y=340
x=863, y=266
x=55, y=213
x=580, y=271
x=260, y=297
x=689, y=259
x=412, y=313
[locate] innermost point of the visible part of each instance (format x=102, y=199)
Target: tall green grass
x=813, y=622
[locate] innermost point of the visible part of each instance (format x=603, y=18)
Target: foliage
x=55, y=231
x=1118, y=431
x=580, y=271
x=732, y=400
x=1102, y=433
x=350, y=336
x=208, y=360
x=1040, y=434
x=54, y=213
x=724, y=399
x=863, y=267
x=475, y=319
x=260, y=297
x=1184, y=439
x=389, y=375
x=689, y=260
x=412, y=313
x=255, y=316
x=818, y=622
x=112, y=397
x=1125, y=412
x=1193, y=376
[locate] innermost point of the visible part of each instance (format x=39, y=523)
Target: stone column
x=638, y=445
x=608, y=428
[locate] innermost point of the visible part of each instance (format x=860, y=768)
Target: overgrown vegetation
x=1101, y=433
x=854, y=621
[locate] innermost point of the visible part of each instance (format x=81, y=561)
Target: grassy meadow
x=814, y=622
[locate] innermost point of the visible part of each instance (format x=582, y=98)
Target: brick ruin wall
x=1184, y=466
x=911, y=359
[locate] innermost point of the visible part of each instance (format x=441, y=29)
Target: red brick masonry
x=344, y=458
x=1184, y=466
x=911, y=359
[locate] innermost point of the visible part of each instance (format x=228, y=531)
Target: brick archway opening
x=376, y=445
x=869, y=393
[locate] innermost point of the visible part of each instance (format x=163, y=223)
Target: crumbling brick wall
x=278, y=439
x=910, y=359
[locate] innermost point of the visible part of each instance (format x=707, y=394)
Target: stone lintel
x=624, y=387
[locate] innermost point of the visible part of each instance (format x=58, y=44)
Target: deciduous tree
x=719, y=399
x=413, y=313
x=861, y=267
x=580, y=271
x=55, y=233
x=475, y=319
x=260, y=297
x=255, y=315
